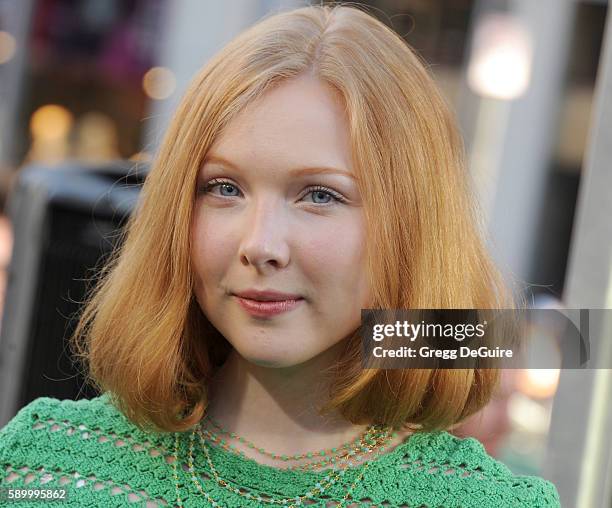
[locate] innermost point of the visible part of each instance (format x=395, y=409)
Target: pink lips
x=267, y=303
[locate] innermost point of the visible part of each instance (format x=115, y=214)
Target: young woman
x=312, y=170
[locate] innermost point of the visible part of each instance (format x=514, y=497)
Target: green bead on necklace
x=284, y=457
x=370, y=439
x=335, y=476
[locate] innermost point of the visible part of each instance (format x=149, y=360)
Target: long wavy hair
x=143, y=337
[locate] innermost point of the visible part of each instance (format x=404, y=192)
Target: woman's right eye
x=226, y=188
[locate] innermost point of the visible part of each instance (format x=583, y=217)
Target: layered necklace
x=374, y=441
x=331, y=455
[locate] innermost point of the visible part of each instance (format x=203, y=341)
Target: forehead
x=298, y=121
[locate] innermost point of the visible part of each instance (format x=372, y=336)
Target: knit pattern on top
x=92, y=450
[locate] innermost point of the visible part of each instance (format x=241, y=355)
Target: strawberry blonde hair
x=142, y=335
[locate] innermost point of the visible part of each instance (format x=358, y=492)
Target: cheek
x=210, y=250
x=336, y=260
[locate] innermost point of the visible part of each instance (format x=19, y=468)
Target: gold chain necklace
x=330, y=479
x=368, y=440
x=276, y=456
x=357, y=442
x=309, y=466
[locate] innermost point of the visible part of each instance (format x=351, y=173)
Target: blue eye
x=222, y=184
x=318, y=192
x=323, y=192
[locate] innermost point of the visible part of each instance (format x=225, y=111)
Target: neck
x=277, y=408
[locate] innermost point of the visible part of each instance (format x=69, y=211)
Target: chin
x=269, y=363
x=272, y=360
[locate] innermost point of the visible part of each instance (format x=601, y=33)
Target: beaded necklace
x=319, y=488
x=310, y=466
x=285, y=458
x=331, y=478
x=362, y=441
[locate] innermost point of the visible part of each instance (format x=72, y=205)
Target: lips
x=267, y=295
x=268, y=308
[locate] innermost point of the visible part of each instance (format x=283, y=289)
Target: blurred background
x=87, y=88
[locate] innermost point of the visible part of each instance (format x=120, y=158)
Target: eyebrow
x=299, y=171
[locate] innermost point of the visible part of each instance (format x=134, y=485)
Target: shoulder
x=70, y=444
x=63, y=418
x=51, y=422
x=55, y=415
x=440, y=467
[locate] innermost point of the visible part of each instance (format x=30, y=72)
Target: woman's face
x=278, y=210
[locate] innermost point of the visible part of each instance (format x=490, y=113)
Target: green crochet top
x=90, y=449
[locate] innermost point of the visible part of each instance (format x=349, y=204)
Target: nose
x=264, y=242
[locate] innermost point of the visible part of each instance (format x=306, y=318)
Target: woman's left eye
x=320, y=195
x=324, y=193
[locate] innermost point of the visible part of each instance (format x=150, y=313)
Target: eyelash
x=315, y=188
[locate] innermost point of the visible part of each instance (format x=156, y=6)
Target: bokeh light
x=159, y=83
x=51, y=122
x=500, y=61
x=538, y=383
x=96, y=137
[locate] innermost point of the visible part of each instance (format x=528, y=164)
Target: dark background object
x=66, y=221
